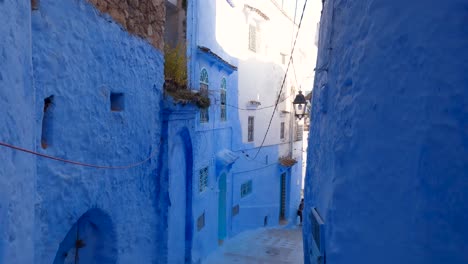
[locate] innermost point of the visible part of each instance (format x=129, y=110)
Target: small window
x=235, y=210
x=283, y=58
x=299, y=132
x=223, y=100
x=34, y=4
x=204, y=86
x=201, y=222
x=46, y=134
x=282, y=130
x=246, y=188
x=250, y=136
x=117, y=102
x=203, y=179
x=253, y=38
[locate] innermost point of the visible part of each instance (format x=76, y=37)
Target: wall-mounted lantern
x=300, y=106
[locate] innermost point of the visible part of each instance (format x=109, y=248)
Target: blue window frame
x=203, y=179
x=246, y=188
x=223, y=100
x=204, y=86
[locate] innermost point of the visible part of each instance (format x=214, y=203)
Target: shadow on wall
x=90, y=240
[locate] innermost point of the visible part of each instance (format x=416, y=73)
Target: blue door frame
x=222, y=207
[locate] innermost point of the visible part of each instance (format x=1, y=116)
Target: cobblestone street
x=265, y=246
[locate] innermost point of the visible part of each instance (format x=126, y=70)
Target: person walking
x=300, y=209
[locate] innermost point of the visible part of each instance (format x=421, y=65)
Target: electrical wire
x=284, y=80
x=256, y=169
x=77, y=162
x=260, y=108
x=294, y=70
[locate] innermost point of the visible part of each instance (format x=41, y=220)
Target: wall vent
x=34, y=4
x=235, y=210
x=201, y=222
x=46, y=134
x=117, y=102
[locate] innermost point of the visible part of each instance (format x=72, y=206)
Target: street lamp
x=300, y=105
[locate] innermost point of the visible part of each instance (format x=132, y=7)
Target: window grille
x=223, y=100
x=282, y=130
x=253, y=38
x=204, y=85
x=246, y=188
x=250, y=136
x=299, y=132
x=203, y=179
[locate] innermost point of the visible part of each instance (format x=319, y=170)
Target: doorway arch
x=180, y=222
x=90, y=240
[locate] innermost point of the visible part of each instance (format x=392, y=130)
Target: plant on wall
x=175, y=65
x=175, y=73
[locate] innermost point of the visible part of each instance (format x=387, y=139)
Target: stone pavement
x=262, y=246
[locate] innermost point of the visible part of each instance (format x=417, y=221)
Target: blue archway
x=90, y=240
x=185, y=135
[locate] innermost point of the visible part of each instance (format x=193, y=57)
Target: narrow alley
x=278, y=245
x=233, y=131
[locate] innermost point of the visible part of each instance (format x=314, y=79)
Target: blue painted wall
x=178, y=174
x=17, y=171
x=264, y=201
x=80, y=57
x=388, y=146
x=211, y=138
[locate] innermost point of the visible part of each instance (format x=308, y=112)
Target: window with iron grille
x=299, y=131
x=223, y=100
x=253, y=38
x=203, y=179
x=204, y=84
x=282, y=130
x=250, y=136
x=246, y=188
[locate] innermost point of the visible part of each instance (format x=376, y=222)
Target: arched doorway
x=180, y=221
x=91, y=240
x=177, y=196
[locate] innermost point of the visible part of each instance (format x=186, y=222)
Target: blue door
x=222, y=207
x=283, y=196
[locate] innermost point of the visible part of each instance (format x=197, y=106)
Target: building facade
x=232, y=189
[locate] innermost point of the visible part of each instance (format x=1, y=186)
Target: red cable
x=76, y=162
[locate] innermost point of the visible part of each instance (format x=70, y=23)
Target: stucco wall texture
x=76, y=63
x=81, y=59
x=17, y=171
x=388, y=146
